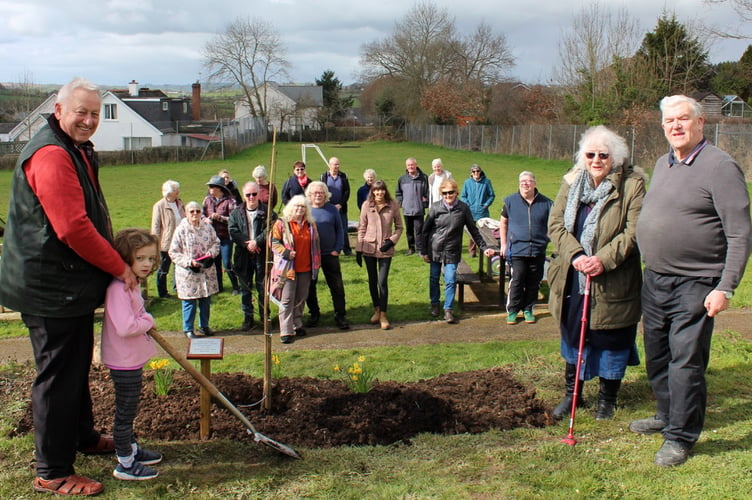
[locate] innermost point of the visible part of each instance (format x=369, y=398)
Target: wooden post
x=205, y=349
x=205, y=402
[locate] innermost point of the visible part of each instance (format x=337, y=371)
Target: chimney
x=196, y=104
x=133, y=88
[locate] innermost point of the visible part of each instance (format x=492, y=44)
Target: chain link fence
x=559, y=142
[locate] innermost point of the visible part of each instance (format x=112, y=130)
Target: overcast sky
x=155, y=42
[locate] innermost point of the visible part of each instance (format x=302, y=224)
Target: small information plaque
x=206, y=348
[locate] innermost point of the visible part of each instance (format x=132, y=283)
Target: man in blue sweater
x=523, y=239
x=694, y=236
x=331, y=241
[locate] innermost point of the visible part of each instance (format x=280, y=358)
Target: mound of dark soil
x=317, y=413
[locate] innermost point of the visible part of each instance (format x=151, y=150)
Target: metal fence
x=559, y=142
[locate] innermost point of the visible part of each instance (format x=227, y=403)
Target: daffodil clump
x=357, y=377
x=162, y=376
x=276, y=366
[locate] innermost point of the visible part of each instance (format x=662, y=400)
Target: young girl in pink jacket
x=126, y=348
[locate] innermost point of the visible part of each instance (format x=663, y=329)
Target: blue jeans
x=225, y=251
x=450, y=283
x=189, y=313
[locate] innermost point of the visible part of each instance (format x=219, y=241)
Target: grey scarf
x=582, y=192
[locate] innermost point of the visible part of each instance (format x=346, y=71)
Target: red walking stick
x=570, y=440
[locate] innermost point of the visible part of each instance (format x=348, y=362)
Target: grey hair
x=367, y=172
x=327, y=194
x=289, y=209
x=526, y=173
x=170, y=186
x=617, y=146
x=259, y=171
x=695, y=108
x=77, y=83
x=192, y=204
x=249, y=184
x=437, y=161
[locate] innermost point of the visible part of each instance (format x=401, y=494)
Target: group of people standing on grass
x=61, y=261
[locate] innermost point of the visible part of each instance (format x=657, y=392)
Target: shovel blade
x=275, y=445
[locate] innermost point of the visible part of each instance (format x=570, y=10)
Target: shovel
x=214, y=392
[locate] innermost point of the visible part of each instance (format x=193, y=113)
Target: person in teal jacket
x=478, y=194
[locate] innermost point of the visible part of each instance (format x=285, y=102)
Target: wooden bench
x=464, y=276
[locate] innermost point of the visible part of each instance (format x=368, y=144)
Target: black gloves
x=386, y=246
x=207, y=262
x=359, y=258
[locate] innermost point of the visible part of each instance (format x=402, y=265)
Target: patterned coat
x=188, y=243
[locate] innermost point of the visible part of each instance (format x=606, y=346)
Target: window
x=136, y=143
x=110, y=111
x=165, y=106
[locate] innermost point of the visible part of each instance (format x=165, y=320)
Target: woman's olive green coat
x=615, y=293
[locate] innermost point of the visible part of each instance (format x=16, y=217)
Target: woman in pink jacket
x=126, y=347
x=379, y=230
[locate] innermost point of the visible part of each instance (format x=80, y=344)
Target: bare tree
x=597, y=39
x=249, y=53
x=743, y=8
x=424, y=49
x=484, y=56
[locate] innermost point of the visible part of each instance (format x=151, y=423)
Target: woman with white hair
x=369, y=175
x=437, y=177
x=297, y=259
x=592, y=227
x=267, y=191
x=166, y=214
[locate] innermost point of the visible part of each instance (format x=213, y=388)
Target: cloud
x=160, y=41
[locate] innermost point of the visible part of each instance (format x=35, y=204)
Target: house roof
x=312, y=95
x=143, y=93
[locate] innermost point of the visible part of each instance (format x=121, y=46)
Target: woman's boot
x=384, y=321
x=376, y=315
x=565, y=407
x=607, y=393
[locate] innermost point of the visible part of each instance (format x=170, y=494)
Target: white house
x=131, y=119
x=289, y=107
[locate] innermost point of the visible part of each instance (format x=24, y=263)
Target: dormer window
x=110, y=111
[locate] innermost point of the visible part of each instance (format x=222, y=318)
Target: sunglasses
x=194, y=211
x=249, y=195
x=475, y=171
x=602, y=156
x=446, y=193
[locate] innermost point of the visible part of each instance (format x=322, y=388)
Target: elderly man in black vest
x=57, y=262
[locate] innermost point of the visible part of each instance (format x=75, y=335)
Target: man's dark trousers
x=60, y=397
x=677, y=350
x=333, y=273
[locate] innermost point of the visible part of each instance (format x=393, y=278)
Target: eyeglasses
x=524, y=183
x=447, y=193
x=591, y=155
x=249, y=195
x=475, y=171
x=299, y=169
x=194, y=211
x=314, y=193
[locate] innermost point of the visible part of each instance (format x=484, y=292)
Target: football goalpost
x=304, y=147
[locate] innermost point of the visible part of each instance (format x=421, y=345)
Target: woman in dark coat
x=442, y=244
